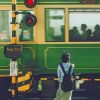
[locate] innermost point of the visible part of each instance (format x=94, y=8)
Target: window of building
x=55, y=25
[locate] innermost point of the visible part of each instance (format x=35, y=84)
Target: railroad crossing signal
x=30, y=3
x=30, y=20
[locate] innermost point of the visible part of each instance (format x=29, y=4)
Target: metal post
x=14, y=40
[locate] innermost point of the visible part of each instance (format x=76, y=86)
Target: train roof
x=56, y=1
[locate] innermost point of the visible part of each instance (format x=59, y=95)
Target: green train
x=62, y=25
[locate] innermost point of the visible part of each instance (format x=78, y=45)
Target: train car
x=62, y=25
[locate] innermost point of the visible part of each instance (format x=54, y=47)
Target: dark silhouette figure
x=63, y=32
x=74, y=34
x=89, y=36
x=71, y=35
x=83, y=29
x=96, y=33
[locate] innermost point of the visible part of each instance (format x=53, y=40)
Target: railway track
x=79, y=94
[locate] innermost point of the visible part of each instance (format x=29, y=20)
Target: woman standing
x=65, y=61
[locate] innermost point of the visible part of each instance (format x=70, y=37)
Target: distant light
x=88, y=1
x=30, y=3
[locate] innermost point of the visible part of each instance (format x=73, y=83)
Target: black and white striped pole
x=13, y=63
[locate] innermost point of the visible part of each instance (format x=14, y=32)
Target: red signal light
x=30, y=3
x=30, y=20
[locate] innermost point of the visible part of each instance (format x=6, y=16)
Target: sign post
x=13, y=51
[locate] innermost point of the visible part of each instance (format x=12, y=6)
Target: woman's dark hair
x=65, y=57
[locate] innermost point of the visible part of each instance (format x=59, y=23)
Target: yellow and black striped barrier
x=44, y=78
x=23, y=83
x=56, y=79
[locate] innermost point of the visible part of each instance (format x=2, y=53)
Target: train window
x=84, y=25
x=5, y=26
x=55, y=25
x=25, y=32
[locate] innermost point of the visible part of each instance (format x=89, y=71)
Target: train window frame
x=25, y=32
x=5, y=8
x=69, y=6
x=23, y=8
x=63, y=34
x=81, y=7
x=41, y=23
x=85, y=31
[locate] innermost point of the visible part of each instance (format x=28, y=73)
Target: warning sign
x=13, y=68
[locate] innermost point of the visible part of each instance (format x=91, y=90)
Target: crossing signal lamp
x=30, y=20
x=30, y=3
